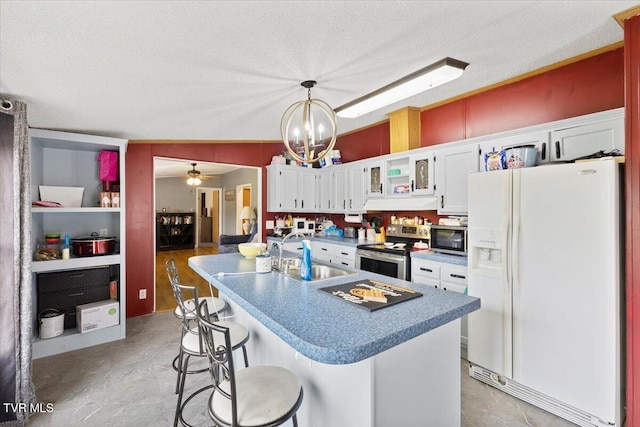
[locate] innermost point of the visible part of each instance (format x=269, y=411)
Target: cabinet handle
x=412, y=186
x=344, y=263
x=444, y=289
x=544, y=151
x=557, y=150
x=76, y=294
x=344, y=204
x=76, y=275
x=426, y=269
x=380, y=188
x=458, y=276
x=442, y=201
x=323, y=249
x=295, y=203
x=343, y=253
x=350, y=204
x=302, y=203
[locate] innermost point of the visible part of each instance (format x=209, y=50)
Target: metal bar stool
x=258, y=396
x=218, y=305
x=191, y=344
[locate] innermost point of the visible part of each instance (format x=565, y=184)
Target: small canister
x=263, y=263
x=105, y=199
x=115, y=199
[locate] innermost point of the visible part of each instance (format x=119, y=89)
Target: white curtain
x=16, y=330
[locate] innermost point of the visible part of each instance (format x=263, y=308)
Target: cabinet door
x=568, y=144
x=287, y=188
x=339, y=184
x=324, y=190
x=375, y=173
x=452, y=170
x=421, y=174
x=306, y=199
x=538, y=139
x=356, y=186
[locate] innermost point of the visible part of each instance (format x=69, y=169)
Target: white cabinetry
x=348, y=188
x=452, y=169
x=538, y=139
x=323, y=190
x=70, y=160
x=291, y=189
x=422, y=174
x=445, y=276
x=582, y=140
x=374, y=175
x=334, y=254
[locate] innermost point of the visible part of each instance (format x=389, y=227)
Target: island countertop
x=321, y=326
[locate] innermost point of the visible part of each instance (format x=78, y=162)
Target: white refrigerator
x=545, y=258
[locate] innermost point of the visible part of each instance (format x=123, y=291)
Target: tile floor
x=131, y=383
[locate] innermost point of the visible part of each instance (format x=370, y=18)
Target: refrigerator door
x=489, y=329
x=567, y=283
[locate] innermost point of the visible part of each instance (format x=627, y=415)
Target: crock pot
x=93, y=245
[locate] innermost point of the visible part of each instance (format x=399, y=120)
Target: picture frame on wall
x=229, y=195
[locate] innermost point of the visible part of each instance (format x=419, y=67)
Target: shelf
x=75, y=210
x=73, y=263
x=71, y=339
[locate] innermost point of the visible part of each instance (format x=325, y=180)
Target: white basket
x=51, y=323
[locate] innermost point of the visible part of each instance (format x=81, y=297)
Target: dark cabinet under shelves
x=174, y=230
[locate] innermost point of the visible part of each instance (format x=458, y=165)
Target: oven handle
x=363, y=253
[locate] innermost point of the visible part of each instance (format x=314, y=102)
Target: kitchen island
x=399, y=365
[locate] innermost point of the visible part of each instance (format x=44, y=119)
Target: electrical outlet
x=142, y=294
x=103, y=232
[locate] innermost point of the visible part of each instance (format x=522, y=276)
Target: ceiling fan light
x=438, y=73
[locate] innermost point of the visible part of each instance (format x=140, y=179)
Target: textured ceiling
x=227, y=70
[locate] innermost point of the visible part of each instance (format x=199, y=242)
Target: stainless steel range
x=392, y=258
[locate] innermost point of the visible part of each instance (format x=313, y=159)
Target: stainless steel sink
x=321, y=272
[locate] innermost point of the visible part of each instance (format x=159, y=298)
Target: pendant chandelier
x=309, y=128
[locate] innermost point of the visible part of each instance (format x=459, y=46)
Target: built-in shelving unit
x=71, y=160
x=175, y=230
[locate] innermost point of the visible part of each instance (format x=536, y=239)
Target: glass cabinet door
x=422, y=174
x=375, y=174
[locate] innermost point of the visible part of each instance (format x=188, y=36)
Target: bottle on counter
x=393, y=218
x=305, y=268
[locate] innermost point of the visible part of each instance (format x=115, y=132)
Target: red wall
x=588, y=86
x=141, y=211
x=632, y=188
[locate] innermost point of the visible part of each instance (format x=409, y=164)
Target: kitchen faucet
x=293, y=233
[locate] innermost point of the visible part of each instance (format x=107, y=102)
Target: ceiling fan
x=195, y=176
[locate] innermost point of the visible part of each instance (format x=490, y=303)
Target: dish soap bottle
x=305, y=269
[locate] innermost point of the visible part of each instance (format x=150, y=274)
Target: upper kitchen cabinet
x=348, y=188
x=582, y=140
x=374, y=174
x=323, y=190
x=422, y=174
x=452, y=167
x=357, y=187
x=62, y=159
x=539, y=139
x=291, y=189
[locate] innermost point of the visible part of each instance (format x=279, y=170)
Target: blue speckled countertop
x=344, y=241
x=323, y=327
x=435, y=256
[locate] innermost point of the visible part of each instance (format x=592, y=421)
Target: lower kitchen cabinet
x=445, y=276
x=334, y=254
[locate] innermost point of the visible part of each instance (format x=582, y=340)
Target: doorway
x=243, y=198
x=209, y=212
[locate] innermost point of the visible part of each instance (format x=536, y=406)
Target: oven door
x=391, y=265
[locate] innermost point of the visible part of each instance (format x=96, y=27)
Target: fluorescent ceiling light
x=443, y=71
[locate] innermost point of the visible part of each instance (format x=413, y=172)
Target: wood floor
x=164, y=296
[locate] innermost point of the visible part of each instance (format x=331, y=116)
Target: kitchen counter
x=301, y=315
x=344, y=241
x=436, y=256
x=399, y=365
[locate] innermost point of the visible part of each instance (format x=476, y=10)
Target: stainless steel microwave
x=449, y=239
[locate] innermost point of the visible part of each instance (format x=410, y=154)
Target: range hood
x=401, y=205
